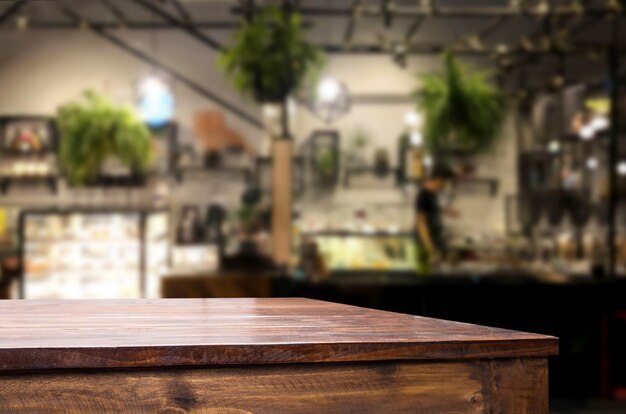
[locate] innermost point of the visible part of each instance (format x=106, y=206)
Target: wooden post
x=282, y=198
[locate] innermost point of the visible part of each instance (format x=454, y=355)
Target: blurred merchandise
x=366, y=251
x=26, y=135
x=81, y=254
x=202, y=258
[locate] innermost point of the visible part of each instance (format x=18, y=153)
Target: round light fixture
x=328, y=89
x=412, y=119
x=330, y=101
x=155, y=101
x=621, y=168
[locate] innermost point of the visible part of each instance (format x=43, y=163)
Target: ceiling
x=534, y=39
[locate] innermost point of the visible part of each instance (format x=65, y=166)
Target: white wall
x=41, y=70
x=480, y=213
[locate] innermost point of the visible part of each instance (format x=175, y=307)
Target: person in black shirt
x=429, y=226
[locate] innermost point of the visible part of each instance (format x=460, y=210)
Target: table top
x=38, y=334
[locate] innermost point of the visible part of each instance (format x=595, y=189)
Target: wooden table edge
x=264, y=354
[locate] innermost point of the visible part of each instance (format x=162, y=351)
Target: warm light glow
x=152, y=85
x=416, y=138
x=554, y=146
x=328, y=89
x=587, y=132
x=412, y=119
x=599, y=123
x=592, y=163
x=428, y=161
x=621, y=168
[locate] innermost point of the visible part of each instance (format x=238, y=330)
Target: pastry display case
x=82, y=253
x=348, y=251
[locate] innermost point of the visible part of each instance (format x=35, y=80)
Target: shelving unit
x=28, y=139
x=239, y=172
x=366, y=170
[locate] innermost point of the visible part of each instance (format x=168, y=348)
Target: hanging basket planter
x=463, y=112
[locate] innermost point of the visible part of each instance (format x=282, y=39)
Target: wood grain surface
x=508, y=386
x=169, y=332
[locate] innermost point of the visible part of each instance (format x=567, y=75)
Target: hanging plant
x=93, y=130
x=269, y=57
x=462, y=110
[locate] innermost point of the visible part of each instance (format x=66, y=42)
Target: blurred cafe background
x=256, y=148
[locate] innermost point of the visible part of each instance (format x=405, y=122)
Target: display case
x=82, y=253
x=349, y=251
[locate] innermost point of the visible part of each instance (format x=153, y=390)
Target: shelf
x=7, y=181
x=180, y=172
x=492, y=184
x=371, y=170
x=26, y=154
x=81, y=242
x=121, y=181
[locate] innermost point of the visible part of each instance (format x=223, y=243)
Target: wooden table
x=260, y=355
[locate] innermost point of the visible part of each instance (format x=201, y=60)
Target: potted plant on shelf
x=326, y=162
x=94, y=131
x=463, y=112
x=358, y=142
x=268, y=60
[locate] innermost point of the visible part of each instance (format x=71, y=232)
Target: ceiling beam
x=139, y=54
x=191, y=30
x=182, y=11
x=119, y=15
x=546, y=38
x=207, y=24
x=453, y=12
x=387, y=7
x=248, y=7
x=434, y=49
x=13, y=9
x=352, y=21
x=414, y=29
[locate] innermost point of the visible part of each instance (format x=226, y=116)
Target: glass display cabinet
x=92, y=254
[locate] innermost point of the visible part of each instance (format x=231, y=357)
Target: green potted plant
x=94, y=130
x=270, y=58
x=326, y=166
x=463, y=112
x=354, y=154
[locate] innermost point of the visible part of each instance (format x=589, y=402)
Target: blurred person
x=431, y=246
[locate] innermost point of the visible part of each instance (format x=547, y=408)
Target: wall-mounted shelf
x=123, y=181
x=49, y=180
x=366, y=170
x=180, y=173
x=492, y=185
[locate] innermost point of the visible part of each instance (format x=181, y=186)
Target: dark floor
x=587, y=407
